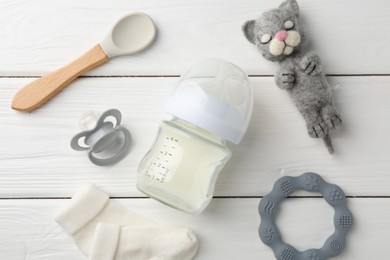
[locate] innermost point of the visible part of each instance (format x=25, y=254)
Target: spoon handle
x=40, y=90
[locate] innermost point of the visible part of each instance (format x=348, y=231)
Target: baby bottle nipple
x=102, y=137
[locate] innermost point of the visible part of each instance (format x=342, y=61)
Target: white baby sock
x=151, y=243
x=91, y=206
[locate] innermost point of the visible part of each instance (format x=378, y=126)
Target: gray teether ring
x=101, y=137
x=312, y=182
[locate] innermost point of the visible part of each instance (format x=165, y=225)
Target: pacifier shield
x=102, y=138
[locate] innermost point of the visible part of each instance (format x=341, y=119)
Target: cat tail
x=328, y=144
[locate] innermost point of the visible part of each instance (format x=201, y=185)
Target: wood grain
x=39, y=91
x=226, y=230
x=36, y=159
x=38, y=38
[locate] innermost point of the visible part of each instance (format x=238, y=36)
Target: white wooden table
x=39, y=171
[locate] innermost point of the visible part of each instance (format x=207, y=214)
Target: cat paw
x=333, y=121
x=318, y=130
x=311, y=64
x=285, y=79
x=288, y=80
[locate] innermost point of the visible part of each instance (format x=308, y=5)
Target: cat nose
x=281, y=35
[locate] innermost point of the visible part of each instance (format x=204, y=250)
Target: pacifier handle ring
x=111, y=112
x=119, y=155
x=74, y=143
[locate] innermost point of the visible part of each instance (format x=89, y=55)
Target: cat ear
x=290, y=6
x=248, y=29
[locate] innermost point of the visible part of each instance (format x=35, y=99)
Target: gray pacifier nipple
x=312, y=182
x=103, y=138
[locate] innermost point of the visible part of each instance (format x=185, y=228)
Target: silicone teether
x=312, y=182
x=102, y=138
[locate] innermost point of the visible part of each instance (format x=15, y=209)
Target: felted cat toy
x=280, y=37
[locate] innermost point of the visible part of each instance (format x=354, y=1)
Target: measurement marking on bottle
x=166, y=161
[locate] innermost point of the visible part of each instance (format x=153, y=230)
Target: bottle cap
x=215, y=95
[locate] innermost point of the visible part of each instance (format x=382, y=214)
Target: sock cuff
x=105, y=242
x=82, y=208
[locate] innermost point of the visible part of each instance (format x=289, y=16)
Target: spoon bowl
x=131, y=34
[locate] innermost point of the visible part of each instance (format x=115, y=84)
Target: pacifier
x=105, y=137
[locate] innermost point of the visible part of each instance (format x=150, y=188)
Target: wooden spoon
x=130, y=34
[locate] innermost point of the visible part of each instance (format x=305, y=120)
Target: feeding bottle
x=210, y=104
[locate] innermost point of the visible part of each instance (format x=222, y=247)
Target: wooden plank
x=226, y=230
x=38, y=38
x=36, y=159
